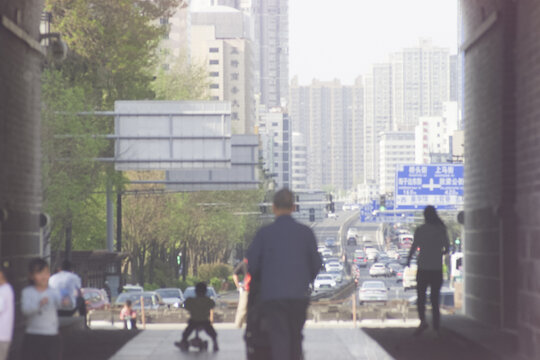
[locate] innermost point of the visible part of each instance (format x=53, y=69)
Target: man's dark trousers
x=285, y=321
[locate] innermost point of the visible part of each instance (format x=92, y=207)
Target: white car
x=324, y=281
x=409, y=276
x=326, y=252
x=372, y=253
x=333, y=266
x=373, y=291
x=332, y=215
x=338, y=275
x=378, y=269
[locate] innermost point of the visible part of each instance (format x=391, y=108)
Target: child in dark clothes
x=199, y=308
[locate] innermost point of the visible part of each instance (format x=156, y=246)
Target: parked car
x=210, y=292
x=324, y=281
x=132, y=288
x=378, y=269
x=95, y=299
x=338, y=275
x=373, y=291
x=152, y=300
x=171, y=296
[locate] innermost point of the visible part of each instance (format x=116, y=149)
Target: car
x=333, y=266
x=409, y=276
x=446, y=300
x=372, y=254
x=330, y=242
x=171, y=296
x=326, y=252
x=394, y=268
x=338, y=275
x=373, y=291
x=210, y=292
x=360, y=260
x=383, y=258
x=355, y=207
x=378, y=269
x=95, y=299
x=152, y=300
x=132, y=288
x=332, y=216
x=324, y=281
x=351, y=241
x=346, y=207
x=392, y=254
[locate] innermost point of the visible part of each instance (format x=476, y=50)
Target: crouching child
x=199, y=308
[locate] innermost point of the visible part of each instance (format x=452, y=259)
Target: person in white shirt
x=69, y=286
x=39, y=305
x=6, y=314
x=432, y=240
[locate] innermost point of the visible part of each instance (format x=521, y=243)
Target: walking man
x=432, y=240
x=243, y=287
x=283, y=259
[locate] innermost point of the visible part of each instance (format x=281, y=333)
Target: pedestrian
x=68, y=285
x=200, y=308
x=128, y=316
x=283, y=261
x=7, y=314
x=39, y=305
x=243, y=289
x=432, y=240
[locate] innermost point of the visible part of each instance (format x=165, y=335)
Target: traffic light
x=382, y=203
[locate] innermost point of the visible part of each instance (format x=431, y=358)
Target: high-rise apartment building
x=377, y=116
x=220, y=40
x=270, y=19
x=396, y=148
x=273, y=127
x=420, y=83
x=324, y=111
x=357, y=131
x=299, y=162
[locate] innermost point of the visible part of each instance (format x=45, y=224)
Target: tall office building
x=357, y=156
x=420, y=83
x=270, y=19
x=220, y=40
x=377, y=116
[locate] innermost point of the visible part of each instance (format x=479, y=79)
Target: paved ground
x=337, y=342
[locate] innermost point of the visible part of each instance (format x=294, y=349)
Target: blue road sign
x=440, y=185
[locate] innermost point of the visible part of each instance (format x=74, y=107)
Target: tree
x=182, y=81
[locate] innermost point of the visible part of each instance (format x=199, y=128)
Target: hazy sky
x=341, y=38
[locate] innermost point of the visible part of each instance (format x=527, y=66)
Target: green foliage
x=182, y=81
x=207, y=272
x=216, y=283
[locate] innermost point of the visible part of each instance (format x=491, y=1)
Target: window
x=235, y=103
x=285, y=124
x=234, y=63
x=235, y=76
x=285, y=157
x=214, y=50
x=214, y=62
x=234, y=116
x=234, y=90
x=234, y=50
x=163, y=21
x=214, y=74
x=214, y=86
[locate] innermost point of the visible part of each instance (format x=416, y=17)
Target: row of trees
x=114, y=54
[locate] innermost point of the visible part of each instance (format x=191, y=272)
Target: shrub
x=207, y=272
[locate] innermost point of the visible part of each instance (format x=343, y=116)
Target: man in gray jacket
x=283, y=259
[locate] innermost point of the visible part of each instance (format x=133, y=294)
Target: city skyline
x=332, y=56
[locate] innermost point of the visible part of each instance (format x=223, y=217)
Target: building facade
x=396, y=148
x=220, y=41
x=299, y=162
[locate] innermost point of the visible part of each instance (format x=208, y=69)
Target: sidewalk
x=338, y=342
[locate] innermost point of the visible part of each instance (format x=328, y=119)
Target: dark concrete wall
x=502, y=117
x=20, y=193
